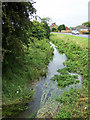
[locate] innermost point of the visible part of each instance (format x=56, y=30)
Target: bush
x=53, y=29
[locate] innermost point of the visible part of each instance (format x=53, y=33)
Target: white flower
x=85, y=108
x=17, y=91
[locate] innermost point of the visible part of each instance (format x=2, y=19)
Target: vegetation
x=76, y=50
x=26, y=53
x=61, y=27
x=45, y=22
x=87, y=24
x=71, y=108
x=53, y=29
x=65, y=79
x=37, y=31
x=15, y=20
x=16, y=83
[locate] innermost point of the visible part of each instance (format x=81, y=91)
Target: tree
x=15, y=23
x=87, y=24
x=61, y=27
x=37, y=30
x=45, y=22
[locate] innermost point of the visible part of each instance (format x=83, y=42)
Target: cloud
x=70, y=12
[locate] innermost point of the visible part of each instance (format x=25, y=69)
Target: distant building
x=81, y=28
x=67, y=28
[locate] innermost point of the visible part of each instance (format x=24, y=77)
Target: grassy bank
x=18, y=77
x=75, y=102
x=83, y=42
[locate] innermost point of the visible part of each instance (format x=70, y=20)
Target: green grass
x=76, y=50
x=77, y=55
x=19, y=76
x=83, y=42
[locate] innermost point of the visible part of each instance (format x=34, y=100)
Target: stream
x=46, y=90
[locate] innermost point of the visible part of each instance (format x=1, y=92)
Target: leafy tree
x=15, y=23
x=53, y=29
x=61, y=27
x=47, y=29
x=56, y=28
x=87, y=24
x=37, y=30
x=45, y=22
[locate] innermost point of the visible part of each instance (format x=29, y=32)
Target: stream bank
x=76, y=50
x=46, y=90
x=44, y=103
x=16, y=81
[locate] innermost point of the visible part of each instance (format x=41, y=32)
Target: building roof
x=67, y=28
x=81, y=27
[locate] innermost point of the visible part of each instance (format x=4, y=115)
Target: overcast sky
x=68, y=12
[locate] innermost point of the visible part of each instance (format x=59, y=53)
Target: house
x=67, y=28
x=81, y=28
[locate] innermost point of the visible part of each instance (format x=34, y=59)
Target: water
x=46, y=90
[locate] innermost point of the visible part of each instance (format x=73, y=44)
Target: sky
x=69, y=12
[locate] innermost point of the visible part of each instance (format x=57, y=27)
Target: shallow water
x=47, y=90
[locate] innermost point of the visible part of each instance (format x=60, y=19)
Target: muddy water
x=46, y=90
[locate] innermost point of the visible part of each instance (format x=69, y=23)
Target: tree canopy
x=45, y=22
x=37, y=30
x=15, y=22
x=87, y=24
x=18, y=30
x=61, y=27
